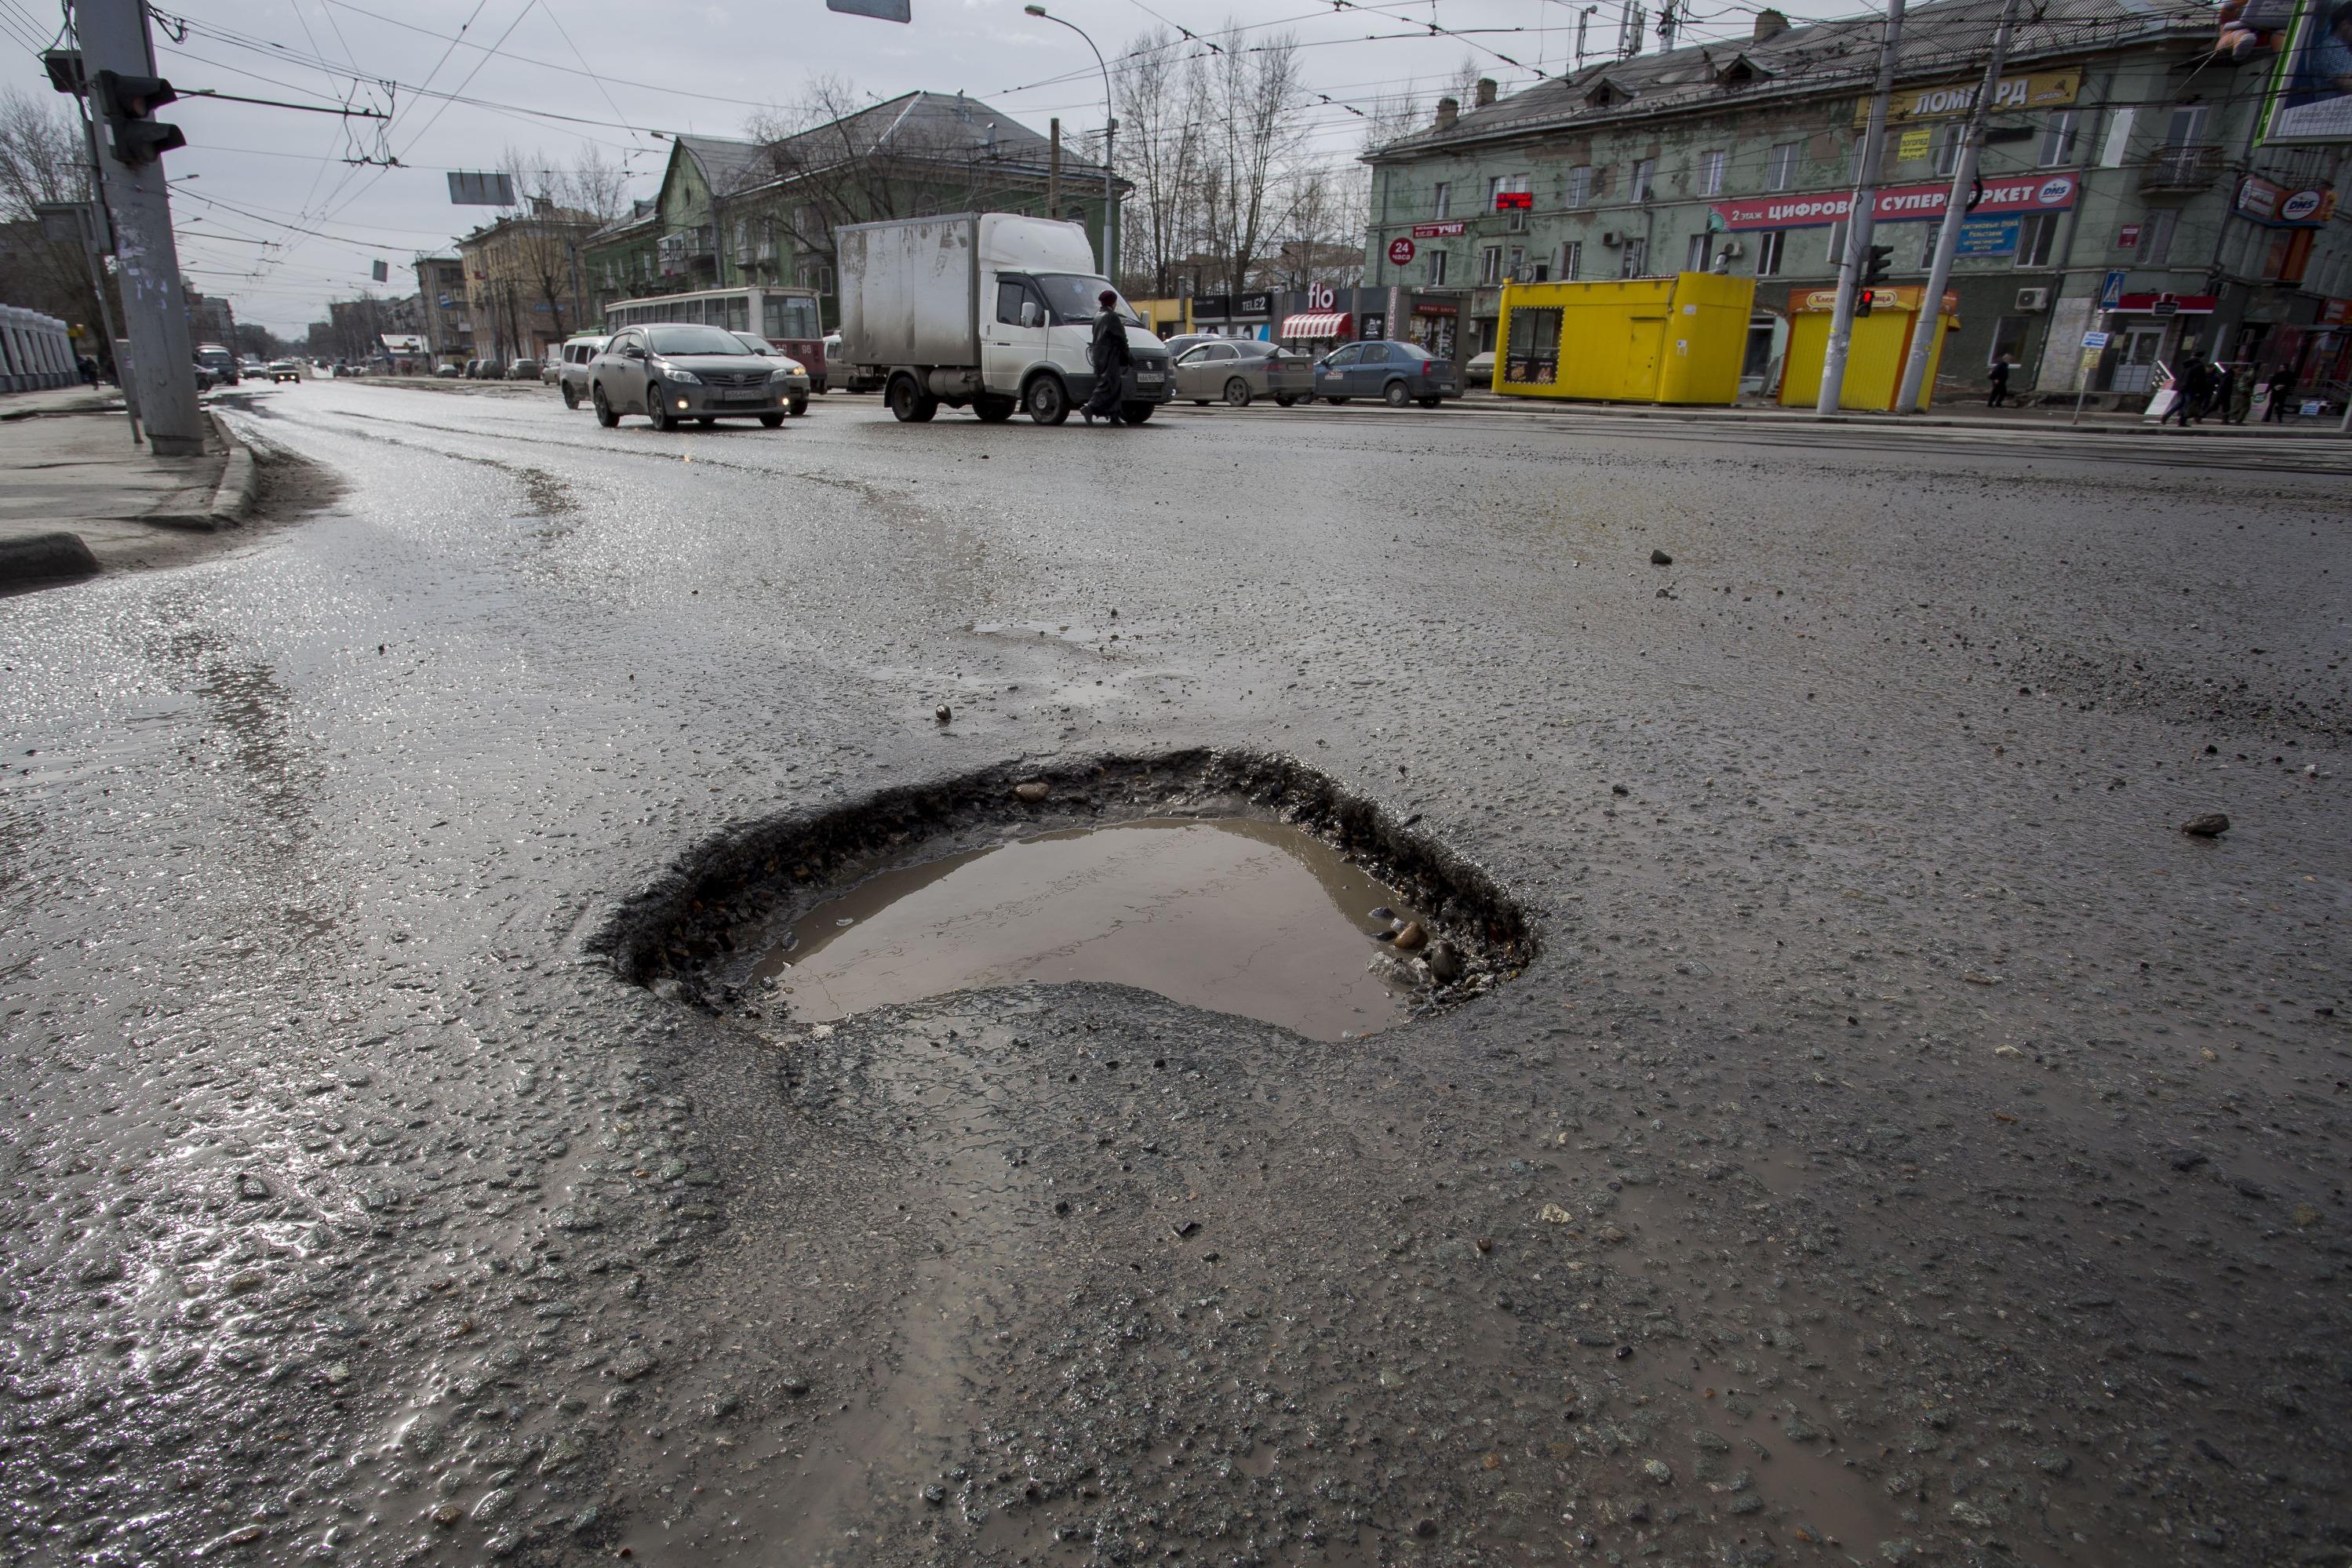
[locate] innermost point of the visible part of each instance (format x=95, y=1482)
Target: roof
x=918, y=126
x=642, y=214
x=1947, y=37
x=725, y=163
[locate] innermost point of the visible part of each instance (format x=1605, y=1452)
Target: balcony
x=2181, y=170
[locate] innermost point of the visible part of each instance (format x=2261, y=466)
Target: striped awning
x=1317, y=324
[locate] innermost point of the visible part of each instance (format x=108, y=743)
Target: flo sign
x=1901, y=203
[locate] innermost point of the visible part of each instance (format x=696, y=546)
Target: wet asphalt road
x=1907, y=1145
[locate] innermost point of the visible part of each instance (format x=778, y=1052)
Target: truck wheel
x=909, y=404
x=996, y=410
x=1237, y=393
x=1136, y=413
x=1396, y=394
x=1048, y=400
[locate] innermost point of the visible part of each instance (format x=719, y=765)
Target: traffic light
x=1875, y=269
x=129, y=103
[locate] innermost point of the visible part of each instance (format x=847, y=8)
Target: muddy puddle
x=1231, y=915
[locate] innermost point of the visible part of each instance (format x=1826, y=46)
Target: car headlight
x=680, y=377
x=791, y=368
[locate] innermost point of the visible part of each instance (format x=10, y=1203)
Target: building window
x=1948, y=137
x=1768, y=251
x=1780, y=167
x=1571, y=260
x=1694, y=253
x=1444, y=201
x=2155, y=236
x=1579, y=186
x=2057, y=141
x=2036, y=238
x=1490, y=266
x=2007, y=339
x=1437, y=261
x=1644, y=171
x=1635, y=259
x=1711, y=165
x=1519, y=265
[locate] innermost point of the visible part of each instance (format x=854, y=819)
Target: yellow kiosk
x=1675, y=340
x=1873, y=363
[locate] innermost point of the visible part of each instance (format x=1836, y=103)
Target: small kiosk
x=1675, y=340
x=1875, y=360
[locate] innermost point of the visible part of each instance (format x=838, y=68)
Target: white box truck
x=993, y=312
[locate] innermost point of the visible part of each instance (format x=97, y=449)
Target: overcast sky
x=252, y=178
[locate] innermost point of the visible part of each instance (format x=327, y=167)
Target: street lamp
x=1110, y=129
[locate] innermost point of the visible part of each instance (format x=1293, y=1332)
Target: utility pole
x=120, y=62
x=1859, y=221
x=1948, y=237
x=1054, y=168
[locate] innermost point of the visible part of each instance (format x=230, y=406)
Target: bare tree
x=44, y=158
x=561, y=205
x=1162, y=154
x=1253, y=103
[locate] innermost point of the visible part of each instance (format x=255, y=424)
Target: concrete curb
x=223, y=503
x=43, y=558
x=233, y=498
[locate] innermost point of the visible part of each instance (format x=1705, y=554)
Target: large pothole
x=1239, y=883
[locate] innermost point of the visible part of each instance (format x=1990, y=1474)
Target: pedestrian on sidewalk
x=1110, y=356
x=88, y=366
x=1999, y=383
x=2241, y=395
x=2187, y=391
x=2281, y=387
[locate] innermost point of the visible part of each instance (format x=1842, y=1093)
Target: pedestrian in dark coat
x=2282, y=385
x=1110, y=357
x=2187, y=391
x=2000, y=383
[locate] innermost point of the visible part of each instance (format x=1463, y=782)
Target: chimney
x=1769, y=24
x=1449, y=110
x=1486, y=91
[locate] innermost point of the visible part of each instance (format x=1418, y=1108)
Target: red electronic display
x=1515, y=201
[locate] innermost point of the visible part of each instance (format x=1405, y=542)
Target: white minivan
x=572, y=365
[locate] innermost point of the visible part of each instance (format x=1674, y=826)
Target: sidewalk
x=79, y=497
x=1965, y=411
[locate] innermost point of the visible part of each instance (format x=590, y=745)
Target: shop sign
x=2335, y=312
x=1431, y=308
x=2127, y=238
x=2039, y=89
x=2280, y=206
x=1212, y=306
x=1454, y=230
x=1376, y=327
x=1901, y=203
x=1988, y=237
x=2166, y=304
x=1254, y=305
x=1400, y=251
x=2095, y=340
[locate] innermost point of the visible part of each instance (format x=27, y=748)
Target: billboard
x=2309, y=99
x=1901, y=204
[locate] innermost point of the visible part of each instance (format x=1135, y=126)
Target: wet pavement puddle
x=1231, y=915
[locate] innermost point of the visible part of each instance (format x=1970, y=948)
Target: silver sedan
x=1242, y=372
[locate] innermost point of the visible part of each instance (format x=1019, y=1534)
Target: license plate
x=743, y=397
x=1148, y=379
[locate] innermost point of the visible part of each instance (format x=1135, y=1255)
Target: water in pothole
x=1229, y=914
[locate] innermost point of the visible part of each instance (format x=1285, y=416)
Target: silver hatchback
x=672, y=373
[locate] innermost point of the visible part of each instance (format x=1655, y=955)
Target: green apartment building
x=735, y=213
x=2122, y=189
